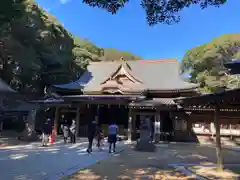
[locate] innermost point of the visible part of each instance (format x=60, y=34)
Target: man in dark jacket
x=91, y=131
x=46, y=131
x=73, y=131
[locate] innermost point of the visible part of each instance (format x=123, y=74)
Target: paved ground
x=138, y=165
x=32, y=162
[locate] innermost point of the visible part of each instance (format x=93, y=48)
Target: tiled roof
x=155, y=75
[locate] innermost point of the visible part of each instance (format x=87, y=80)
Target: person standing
x=65, y=130
x=52, y=136
x=73, y=131
x=112, y=136
x=91, y=131
x=46, y=131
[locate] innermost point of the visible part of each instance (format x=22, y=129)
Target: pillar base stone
x=145, y=146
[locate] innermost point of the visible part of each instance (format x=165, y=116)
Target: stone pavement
x=33, y=162
x=153, y=165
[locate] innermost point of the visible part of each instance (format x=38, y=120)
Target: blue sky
x=129, y=31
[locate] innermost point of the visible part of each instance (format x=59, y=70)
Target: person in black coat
x=91, y=131
x=46, y=131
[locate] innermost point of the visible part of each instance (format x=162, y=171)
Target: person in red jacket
x=52, y=136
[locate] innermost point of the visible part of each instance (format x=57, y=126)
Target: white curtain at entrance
x=157, y=124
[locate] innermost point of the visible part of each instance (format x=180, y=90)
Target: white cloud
x=64, y=1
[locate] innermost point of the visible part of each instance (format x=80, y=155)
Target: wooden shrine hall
x=124, y=91
x=222, y=106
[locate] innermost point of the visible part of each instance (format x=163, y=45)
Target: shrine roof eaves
x=210, y=97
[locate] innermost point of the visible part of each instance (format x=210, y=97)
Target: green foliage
x=89, y=51
x=10, y=10
x=36, y=50
x=157, y=11
x=206, y=62
x=113, y=54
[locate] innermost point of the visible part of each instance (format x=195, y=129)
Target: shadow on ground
x=140, y=165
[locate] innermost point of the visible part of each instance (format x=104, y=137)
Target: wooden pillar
x=189, y=125
x=218, y=139
x=77, y=121
x=134, y=130
x=56, y=119
x=130, y=125
x=158, y=118
x=97, y=114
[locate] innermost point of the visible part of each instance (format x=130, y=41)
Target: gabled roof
x=123, y=69
x=159, y=75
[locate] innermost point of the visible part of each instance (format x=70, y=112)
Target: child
x=99, y=137
x=52, y=136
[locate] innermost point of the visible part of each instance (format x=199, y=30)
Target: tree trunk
x=218, y=140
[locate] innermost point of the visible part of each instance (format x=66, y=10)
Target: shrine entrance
x=113, y=113
x=166, y=121
x=166, y=125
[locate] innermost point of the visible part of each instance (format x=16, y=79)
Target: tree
x=206, y=62
x=206, y=66
x=157, y=11
x=37, y=51
x=10, y=10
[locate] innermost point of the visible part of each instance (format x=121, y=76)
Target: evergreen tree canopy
x=205, y=63
x=36, y=50
x=157, y=11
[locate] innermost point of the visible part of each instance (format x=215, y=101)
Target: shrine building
x=126, y=92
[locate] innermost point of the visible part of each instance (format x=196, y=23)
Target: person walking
x=73, y=131
x=112, y=136
x=91, y=131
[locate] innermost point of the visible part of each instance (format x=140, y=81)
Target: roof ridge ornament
x=123, y=69
x=125, y=64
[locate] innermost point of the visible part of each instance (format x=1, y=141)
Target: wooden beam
x=56, y=119
x=218, y=139
x=77, y=121
x=222, y=109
